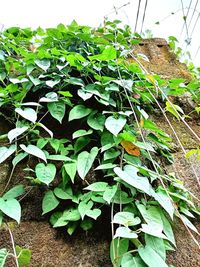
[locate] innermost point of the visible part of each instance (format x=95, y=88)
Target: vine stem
x=151, y=158
x=168, y=121
x=9, y=179
x=13, y=245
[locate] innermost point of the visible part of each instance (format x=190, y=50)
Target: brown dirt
x=51, y=248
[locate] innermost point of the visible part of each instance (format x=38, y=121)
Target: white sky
x=49, y=13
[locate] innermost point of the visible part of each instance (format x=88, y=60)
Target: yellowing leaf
x=130, y=148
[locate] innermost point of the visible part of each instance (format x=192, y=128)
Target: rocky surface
x=159, y=59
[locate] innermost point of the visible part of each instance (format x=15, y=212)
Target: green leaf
x=79, y=112
x=151, y=257
x=55, y=143
x=80, y=143
x=49, y=202
x=57, y=110
x=151, y=230
x=126, y=218
x=83, y=207
x=105, y=166
x=45, y=173
x=68, y=215
x=63, y=194
x=167, y=229
x=115, y=125
x=125, y=232
x=11, y=208
x=52, y=83
x=118, y=248
x=94, y=214
x=144, y=145
x=3, y=255
x=126, y=84
x=109, y=193
x=129, y=261
x=97, y=187
x=35, y=80
x=18, y=158
x=109, y=53
x=27, y=113
x=80, y=133
x=71, y=227
x=87, y=224
x=96, y=121
x=34, y=150
x=14, y=192
x=174, y=109
x=188, y=223
x=45, y=128
x=6, y=152
x=152, y=216
x=111, y=154
x=58, y=158
x=70, y=168
x=164, y=200
x=43, y=63
x=24, y=256
x=85, y=161
x=84, y=94
x=14, y=133
x=156, y=244
x=49, y=97
x=129, y=175
x=41, y=142
x=75, y=81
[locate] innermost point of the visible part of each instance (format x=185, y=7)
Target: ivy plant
x=80, y=106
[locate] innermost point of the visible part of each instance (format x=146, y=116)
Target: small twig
x=13, y=246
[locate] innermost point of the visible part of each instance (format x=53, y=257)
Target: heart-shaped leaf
x=79, y=112
x=126, y=218
x=96, y=121
x=34, y=150
x=129, y=175
x=11, y=208
x=49, y=202
x=115, y=125
x=85, y=161
x=125, y=232
x=6, y=152
x=14, y=192
x=43, y=63
x=70, y=168
x=57, y=110
x=45, y=173
x=14, y=133
x=83, y=207
x=94, y=214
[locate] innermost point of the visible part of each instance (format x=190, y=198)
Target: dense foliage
x=105, y=151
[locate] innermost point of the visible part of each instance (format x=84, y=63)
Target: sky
x=49, y=13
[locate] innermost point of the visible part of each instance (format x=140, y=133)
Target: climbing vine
x=105, y=151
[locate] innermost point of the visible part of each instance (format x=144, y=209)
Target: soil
x=52, y=248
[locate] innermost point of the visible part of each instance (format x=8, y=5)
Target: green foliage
x=3, y=256
x=81, y=79
x=23, y=256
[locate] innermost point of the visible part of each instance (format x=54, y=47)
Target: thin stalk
x=13, y=246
